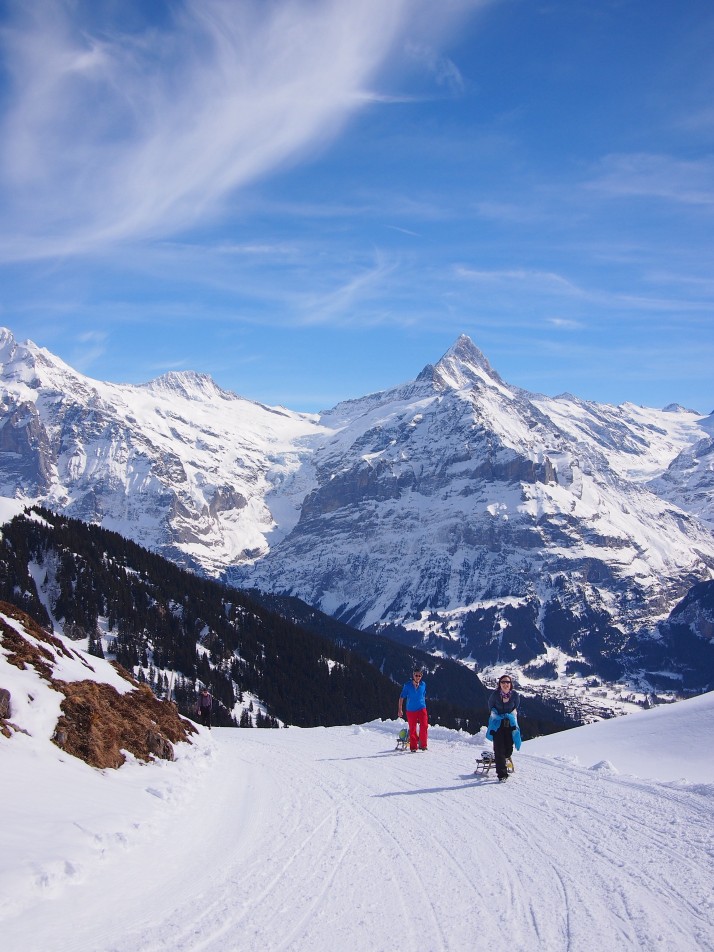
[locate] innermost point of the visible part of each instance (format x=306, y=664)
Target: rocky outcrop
x=97, y=723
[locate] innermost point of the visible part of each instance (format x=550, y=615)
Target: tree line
x=178, y=631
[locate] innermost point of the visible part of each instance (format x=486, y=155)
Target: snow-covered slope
x=668, y=743
x=688, y=479
x=323, y=839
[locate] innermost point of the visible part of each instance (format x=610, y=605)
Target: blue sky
x=311, y=199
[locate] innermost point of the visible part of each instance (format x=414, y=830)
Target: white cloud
x=112, y=136
x=685, y=181
x=522, y=277
x=444, y=70
x=90, y=346
x=340, y=303
x=564, y=323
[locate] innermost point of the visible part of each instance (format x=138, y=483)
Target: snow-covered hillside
x=327, y=839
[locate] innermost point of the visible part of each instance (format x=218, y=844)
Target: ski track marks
x=312, y=840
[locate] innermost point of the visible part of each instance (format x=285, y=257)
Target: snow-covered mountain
x=177, y=465
x=498, y=525
x=309, y=840
x=461, y=513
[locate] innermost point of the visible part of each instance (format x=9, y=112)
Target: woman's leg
x=502, y=748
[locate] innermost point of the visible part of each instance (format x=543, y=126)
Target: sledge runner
x=503, y=727
x=402, y=739
x=487, y=761
x=414, y=692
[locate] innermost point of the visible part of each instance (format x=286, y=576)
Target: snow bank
x=670, y=743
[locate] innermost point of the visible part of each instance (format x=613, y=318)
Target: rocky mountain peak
x=7, y=342
x=188, y=384
x=26, y=363
x=13, y=353
x=464, y=366
x=465, y=350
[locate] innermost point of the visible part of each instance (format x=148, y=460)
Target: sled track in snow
x=308, y=841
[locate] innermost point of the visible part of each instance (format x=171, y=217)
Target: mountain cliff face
x=455, y=512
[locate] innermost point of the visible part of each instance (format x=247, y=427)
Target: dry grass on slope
x=97, y=722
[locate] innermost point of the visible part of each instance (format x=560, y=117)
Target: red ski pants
x=417, y=719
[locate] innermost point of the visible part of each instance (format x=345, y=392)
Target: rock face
x=455, y=512
x=683, y=651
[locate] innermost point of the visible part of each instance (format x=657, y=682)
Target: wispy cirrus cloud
x=685, y=181
x=564, y=323
x=339, y=302
x=515, y=286
x=110, y=134
x=88, y=347
x=522, y=277
x=444, y=70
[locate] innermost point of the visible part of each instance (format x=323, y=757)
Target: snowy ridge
x=177, y=464
x=323, y=839
x=490, y=524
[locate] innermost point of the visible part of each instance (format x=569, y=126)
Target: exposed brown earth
x=97, y=722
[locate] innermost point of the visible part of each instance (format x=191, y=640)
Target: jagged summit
x=25, y=363
x=189, y=384
x=464, y=366
x=466, y=351
x=12, y=351
x=6, y=339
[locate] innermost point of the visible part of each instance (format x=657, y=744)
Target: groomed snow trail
x=327, y=839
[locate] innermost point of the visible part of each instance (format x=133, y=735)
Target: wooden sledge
x=402, y=739
x=487, y=761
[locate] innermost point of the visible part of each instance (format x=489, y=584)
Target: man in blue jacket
x=503, y=727
x=414, y=693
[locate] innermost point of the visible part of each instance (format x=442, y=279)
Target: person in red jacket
x=414, y=693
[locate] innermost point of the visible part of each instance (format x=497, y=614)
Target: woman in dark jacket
x=205, y=706
x=503, y=706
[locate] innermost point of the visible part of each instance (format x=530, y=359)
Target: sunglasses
x=505, y=681
x=417, y=676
